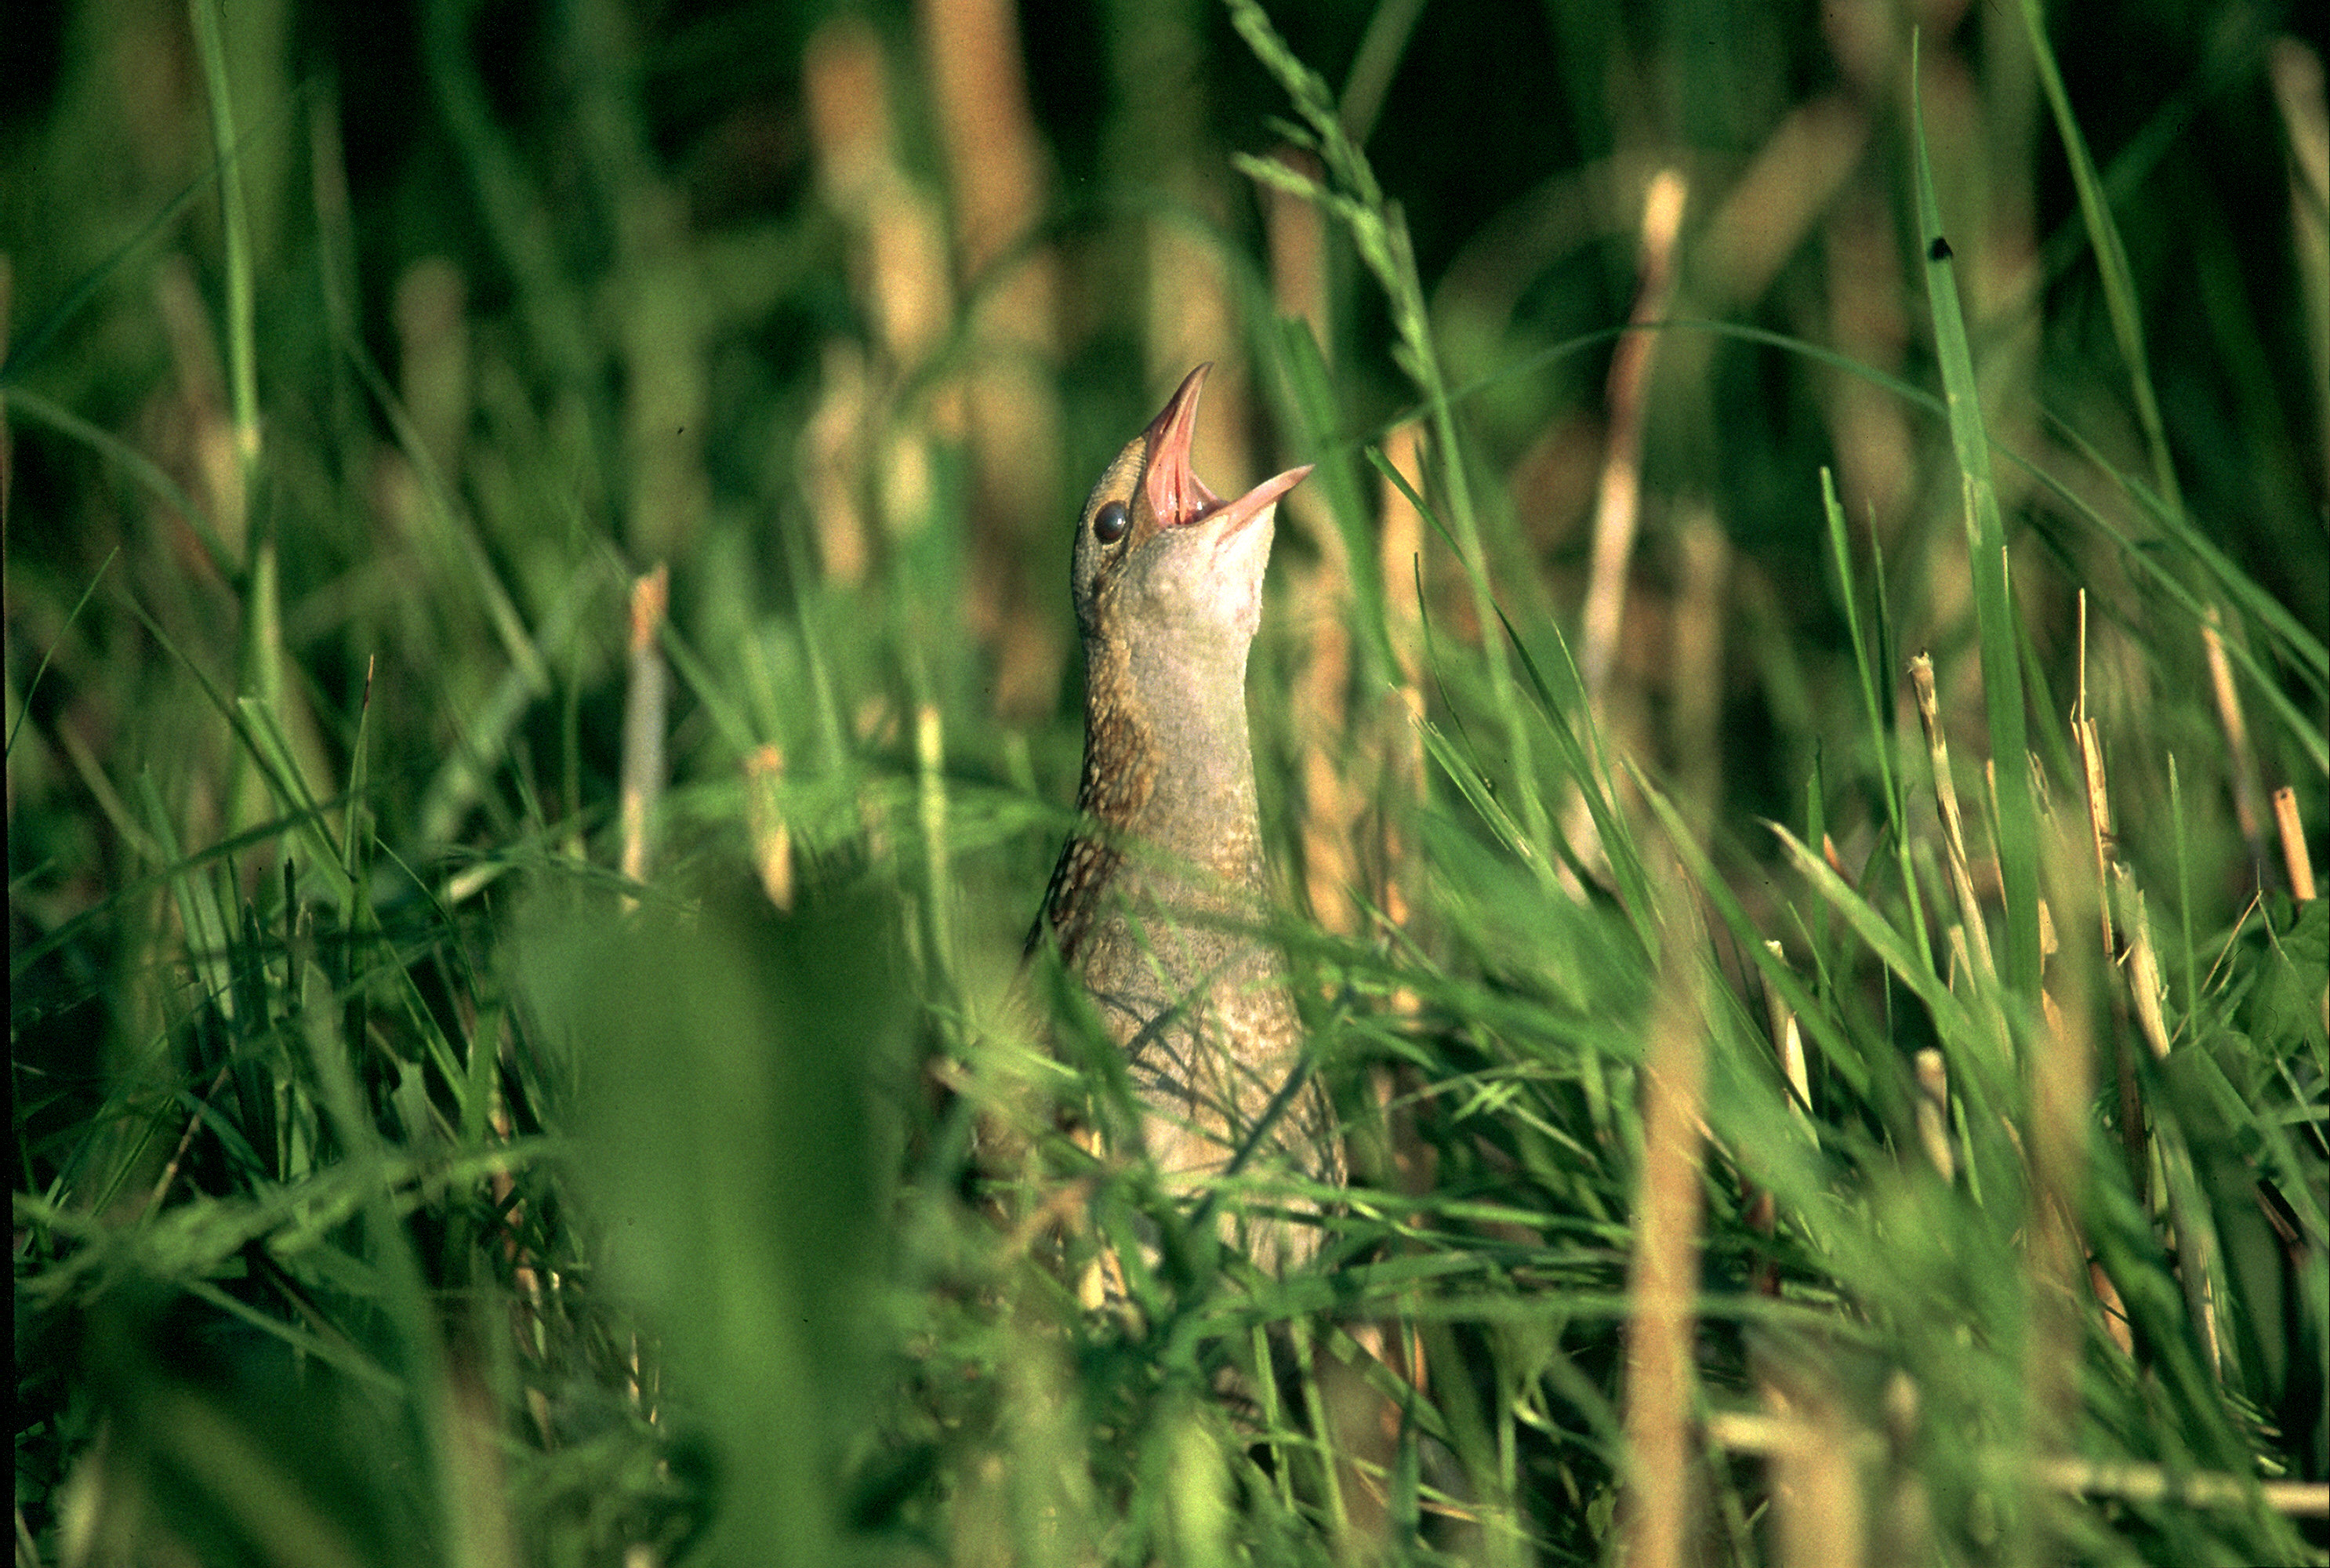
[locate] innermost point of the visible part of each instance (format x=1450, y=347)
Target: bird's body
x=1156, y=904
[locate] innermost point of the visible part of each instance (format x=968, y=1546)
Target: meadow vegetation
x=1791, y=716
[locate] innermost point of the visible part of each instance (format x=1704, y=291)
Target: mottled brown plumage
x=1154, y=906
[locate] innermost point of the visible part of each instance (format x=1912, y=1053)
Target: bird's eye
x=1110, y=521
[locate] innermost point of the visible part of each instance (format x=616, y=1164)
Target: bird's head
x=1162, y=561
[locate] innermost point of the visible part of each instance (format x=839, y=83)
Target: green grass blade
x=2111, y=257
x=1994, y=608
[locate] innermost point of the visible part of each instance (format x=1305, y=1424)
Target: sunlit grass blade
x=1995, y=608
x=1381, y=236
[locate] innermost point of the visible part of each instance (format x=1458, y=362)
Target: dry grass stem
x=899, y=268
x=1295, y=234
x=2196, y=1262
x=1876, y=455
x=1762, y=221
x=1698, y=672
x=2059, y=1071
x=1934, y=1112
x=833, y=463
x=2104, y=854
x=1617, y=512
x=2242, y=758
x=1324, y=731
x=998, y=178
x=1400, y=560
x=764, y=824
x=2294, y=857
x=1658, y=1517
x=2143, y=965
x=1945, y=798
x=1752, y=1432
x=1817, y=1453
x=1788, y=1039
x=645, y=700
x=2089, y=741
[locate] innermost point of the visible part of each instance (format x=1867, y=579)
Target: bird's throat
x=1168, y=766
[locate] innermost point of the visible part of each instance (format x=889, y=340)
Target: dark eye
x=1110, y=522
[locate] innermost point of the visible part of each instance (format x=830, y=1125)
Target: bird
x=1157, y=900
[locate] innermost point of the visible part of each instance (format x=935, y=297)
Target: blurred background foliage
x=541, y=699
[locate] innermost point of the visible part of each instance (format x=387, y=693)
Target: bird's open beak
x=1177, y=496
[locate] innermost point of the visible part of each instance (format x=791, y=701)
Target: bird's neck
x=1168, y=766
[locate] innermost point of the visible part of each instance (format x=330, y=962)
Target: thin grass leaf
x=272, y=750
x=1381, y=235
x=136, y=464
x=1995, y=609
x=2111, y=257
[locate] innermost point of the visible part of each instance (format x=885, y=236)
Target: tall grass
x=539, y=707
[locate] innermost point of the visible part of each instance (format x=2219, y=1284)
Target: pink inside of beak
x=1177, y=496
